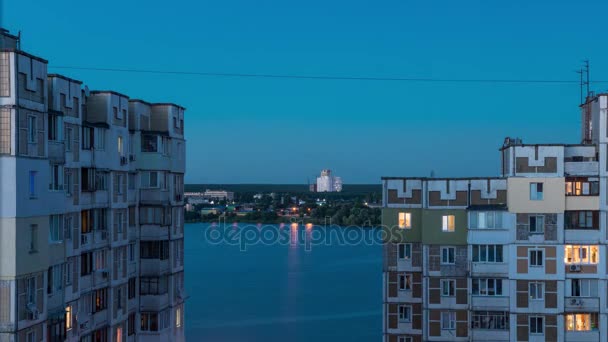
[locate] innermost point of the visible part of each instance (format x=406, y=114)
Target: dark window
x=86, y=263
x=149, y=143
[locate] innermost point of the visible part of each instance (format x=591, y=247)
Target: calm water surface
x=282, y=291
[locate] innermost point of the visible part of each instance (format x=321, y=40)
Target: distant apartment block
x=91, y=209
x=519, y=257
x=327, y=182
x=200, y=197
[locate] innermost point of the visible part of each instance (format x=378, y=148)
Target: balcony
x=153, y=266
x=581, y=304
x=101, y=238
x=490, y=303
x=56, y=152
x=99, y=318
x=94, y=197
x=573, y=236
x=489, y=335
x=489, y=268
x=583, y=336
x=153, y=302
x=583, y=168
x=154, y=196
x=582, y=202
x=154, y=232
x=86, y=240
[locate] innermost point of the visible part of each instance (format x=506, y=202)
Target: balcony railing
x=154, y=196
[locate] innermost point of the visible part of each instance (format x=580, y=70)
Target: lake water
x=283, y=289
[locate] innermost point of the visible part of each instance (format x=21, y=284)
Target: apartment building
x=519, y=257
x=91, y=209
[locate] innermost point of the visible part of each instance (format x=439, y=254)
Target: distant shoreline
x=279, y=220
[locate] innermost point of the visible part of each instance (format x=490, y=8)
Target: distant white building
x=328, y=183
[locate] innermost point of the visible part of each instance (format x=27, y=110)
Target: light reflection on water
x=275, y=292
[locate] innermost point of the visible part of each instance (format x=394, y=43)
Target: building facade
x=519, y=257
x=327, y=182
x=91, y=209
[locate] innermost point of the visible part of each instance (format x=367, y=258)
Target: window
x=404, y=251
x=132, y=287
x=131, y=181
x=68, y=317
x=405, y=282
x=121, y=150
x=149, y=179
x=490, y=320
x=87, y=178
x=537, y=325
x=583, y=288
x=54, y=126
x=405, y=220
x=87, y=138
x=118, y=219
x=448, y=255
x=101, y=256
x=153, y=286
x=131, y=324
x=5, y=78
x=487, y=253
x=154, y=250
x=149, y=143
x=178, y=317
x=131, y=252
x=31, y=336
x=448, y=287
x=149, y=321
x=119, y=183
x=55, y=228
x=31, y=290
x=405, y=313
x=579, y=255
x=101, y=180
x=582, y=187
x=86, y=263
x=582, y=322
x=69, y=137
x=55, y=279
x=448, y=320
x=99, y=300
x=405, y=339
x=116, y=112
x=536, y=224
x=485, y=220
x=67, y=272
x=448, y=223
x=56, y=182
x=33, y=238
x=68, y=182
x=536, y=257
x=536, y=191
x=99, y=138
x=31, y=129
x=32, y=184
x=581, y=219
x=166, y=145
x=536, y=290
x=486, y=287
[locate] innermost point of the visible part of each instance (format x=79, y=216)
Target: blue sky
x=285, y=130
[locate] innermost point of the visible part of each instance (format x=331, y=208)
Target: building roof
x=64, y=78
x=443, y=178
x=108, y=92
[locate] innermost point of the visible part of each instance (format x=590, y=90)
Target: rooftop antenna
x=586, y=71
x=19, y=40
x=432, y=173
x=581, y=83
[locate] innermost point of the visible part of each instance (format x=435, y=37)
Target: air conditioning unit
x=84, y=326
x=131, y=157
x=575, y=268
x=178, y=197
x=123, y=160
x=104, y=235
x=105, y=274
x=576, y=302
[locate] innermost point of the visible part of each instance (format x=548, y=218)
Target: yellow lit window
x=68, y=317
x=581, y=322
x=119, y=334
x=178, y=317
x=574, y=254
x=405, y=220
x=448, y=223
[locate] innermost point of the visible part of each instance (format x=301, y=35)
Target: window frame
x=534, y=289
x=537, y=191
x=450, y=320
x=407, y=251
x=536, y=252
x=536, y=325
x=407, y=313
x=404, y=220
x=447, y=249
x=451, y=287
x=448, y=223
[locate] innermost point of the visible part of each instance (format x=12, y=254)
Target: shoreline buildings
x=91, y=209
x=327, y=182
x=520, y=257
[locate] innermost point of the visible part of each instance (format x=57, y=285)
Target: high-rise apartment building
x=327, y=182
x=91, y=209
x=519, y=257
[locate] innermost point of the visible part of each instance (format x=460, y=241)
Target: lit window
x=536, y=290
x=405, y=313
x=178, y=317
x=581, y=321
x=405, y=251
x=537, y=326
x=448, y=287
x=405, y=220
x=536, y=257
x=120, y=147
x=578, y=255
x=485, y=220
x=68, y=317
x=448, y=223
x=536, y=191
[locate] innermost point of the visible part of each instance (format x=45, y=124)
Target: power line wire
x=336, y=78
